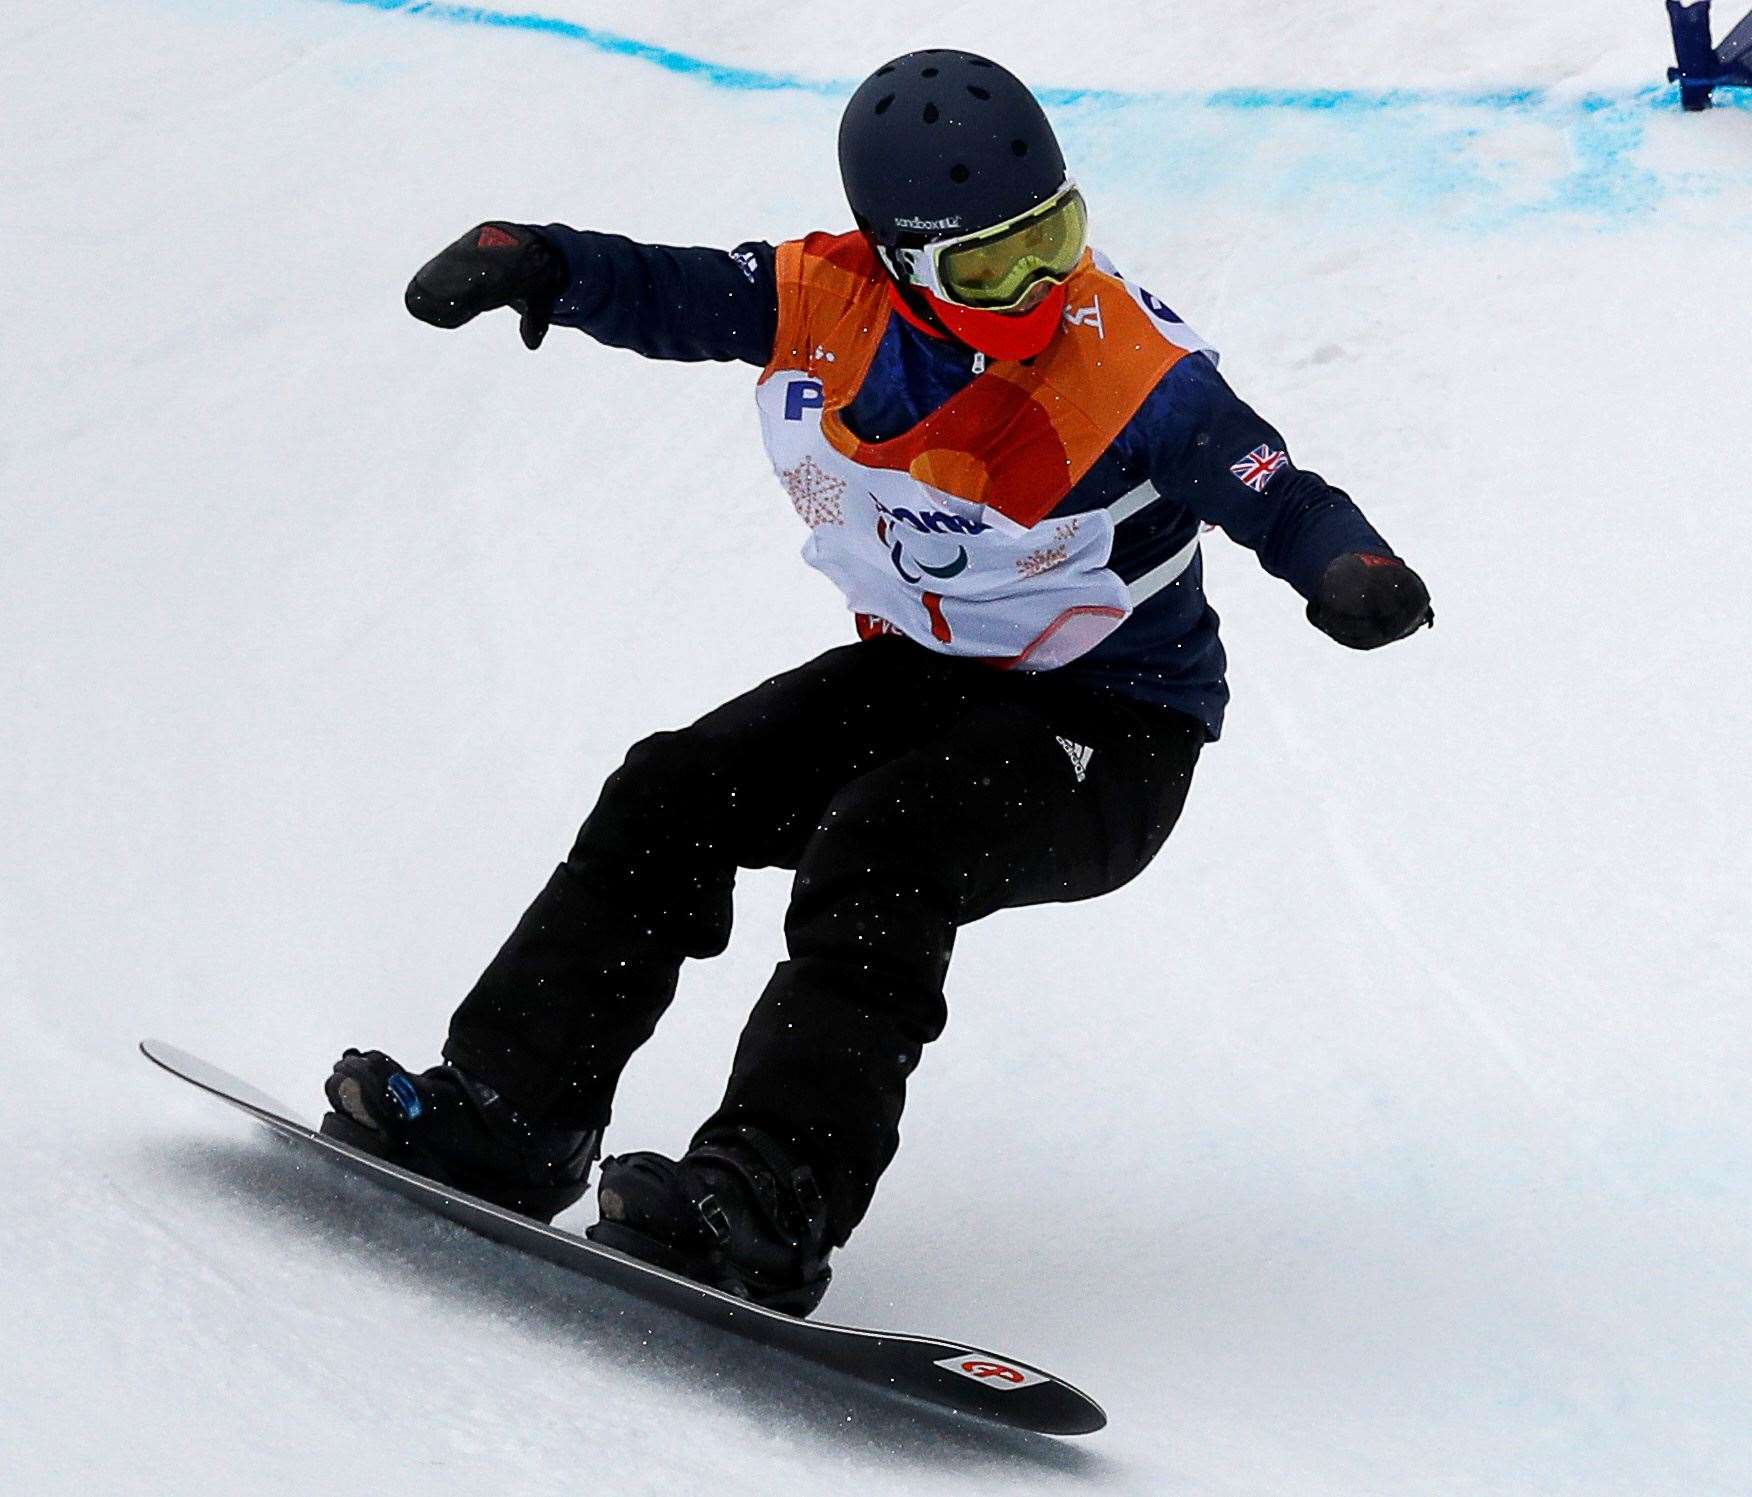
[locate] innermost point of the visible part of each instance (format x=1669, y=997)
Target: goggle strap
x=1042, y=209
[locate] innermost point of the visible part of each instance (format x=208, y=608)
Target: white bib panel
x=955, y=576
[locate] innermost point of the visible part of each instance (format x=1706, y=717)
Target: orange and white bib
x=947, y=533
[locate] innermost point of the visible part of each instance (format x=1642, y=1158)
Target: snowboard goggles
x=994, y=269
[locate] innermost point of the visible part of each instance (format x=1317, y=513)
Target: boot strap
x=787, y=1193
x=717, y=1220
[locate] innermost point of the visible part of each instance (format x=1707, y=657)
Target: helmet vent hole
x=959, y=173
x=884, y=71
x=928, y=73
x=977, y=62
x=883, y=103
x=930, y=114
x=1017, y=147
x=978, y=92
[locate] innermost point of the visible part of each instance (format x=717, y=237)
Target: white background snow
x=1391, y=1135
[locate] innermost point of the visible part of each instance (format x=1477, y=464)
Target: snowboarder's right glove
x=493, y=265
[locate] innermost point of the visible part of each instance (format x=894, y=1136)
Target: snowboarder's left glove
x=1367, y=600
x=493, y=265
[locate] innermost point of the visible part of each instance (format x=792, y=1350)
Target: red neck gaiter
x=998, y=335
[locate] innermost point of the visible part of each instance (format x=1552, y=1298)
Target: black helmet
x=943, y=142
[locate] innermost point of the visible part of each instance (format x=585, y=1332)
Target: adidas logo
x=1079, y=754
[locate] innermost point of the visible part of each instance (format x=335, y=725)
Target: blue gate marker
x=1704, y=68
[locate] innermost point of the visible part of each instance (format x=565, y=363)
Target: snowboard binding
x=450, y=1127
x=735, y=1212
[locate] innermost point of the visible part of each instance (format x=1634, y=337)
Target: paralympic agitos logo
x=891, y=525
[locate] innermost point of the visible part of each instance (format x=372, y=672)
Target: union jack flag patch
x=1255, y=470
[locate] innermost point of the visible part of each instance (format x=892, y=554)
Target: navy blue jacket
x=1187, y=438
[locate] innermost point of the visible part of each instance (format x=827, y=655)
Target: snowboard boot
x=735, y=1212
x=449, y=1127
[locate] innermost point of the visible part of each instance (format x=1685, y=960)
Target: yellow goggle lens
x=995, y=271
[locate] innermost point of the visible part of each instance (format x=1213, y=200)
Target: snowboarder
x=1004, y=452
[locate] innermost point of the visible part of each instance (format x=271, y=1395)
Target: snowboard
x=950, y=1374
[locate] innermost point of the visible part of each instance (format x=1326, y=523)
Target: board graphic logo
x=994, y=1374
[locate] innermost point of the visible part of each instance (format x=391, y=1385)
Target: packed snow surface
x=1391, y=1135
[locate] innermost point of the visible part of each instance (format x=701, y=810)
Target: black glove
x=493, y=265
x=1367, y=600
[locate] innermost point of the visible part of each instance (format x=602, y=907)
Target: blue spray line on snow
x=1314, y=100
x=721, y=75
x=1408, y=146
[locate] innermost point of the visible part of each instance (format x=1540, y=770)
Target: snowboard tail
x=946, y=1373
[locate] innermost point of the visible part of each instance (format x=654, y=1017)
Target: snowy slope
x=1391, y=1135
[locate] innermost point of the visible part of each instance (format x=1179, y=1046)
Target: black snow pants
x=912, y=793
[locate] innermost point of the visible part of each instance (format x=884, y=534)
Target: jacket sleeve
x=1231, y=468
x=665, y=302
